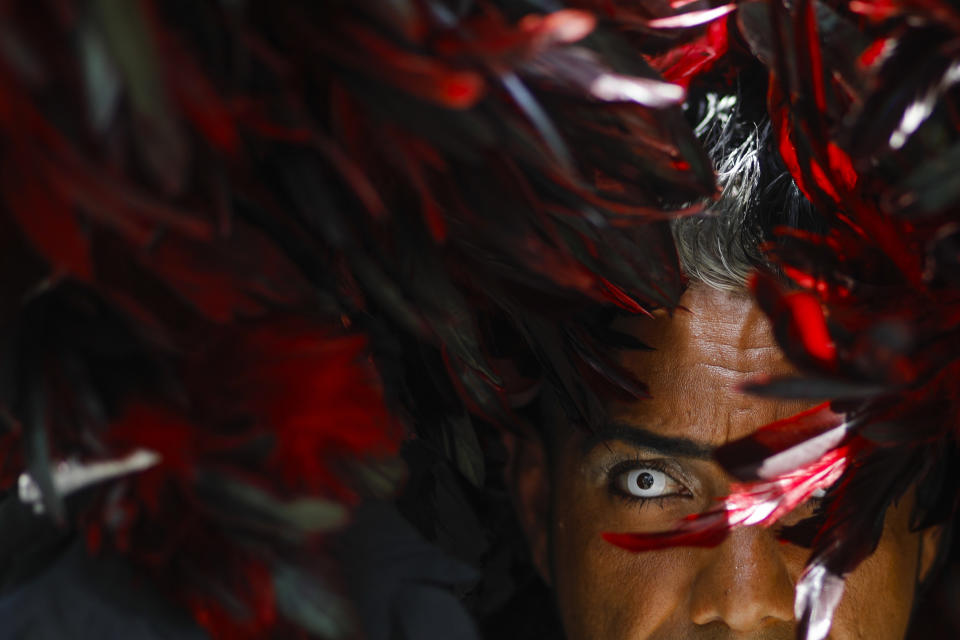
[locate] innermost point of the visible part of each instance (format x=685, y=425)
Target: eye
x=647, y=482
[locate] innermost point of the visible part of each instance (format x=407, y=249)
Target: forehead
x=701, y=356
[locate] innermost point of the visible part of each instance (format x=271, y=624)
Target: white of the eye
x=819, y=494
x=645, y=483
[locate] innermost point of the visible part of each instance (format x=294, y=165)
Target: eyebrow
x=643, y=439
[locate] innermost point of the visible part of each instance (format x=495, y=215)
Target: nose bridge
x=744, y=583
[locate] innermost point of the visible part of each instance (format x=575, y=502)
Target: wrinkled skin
x=743, y=588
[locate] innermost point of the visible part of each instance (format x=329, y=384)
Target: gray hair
x=720, y=247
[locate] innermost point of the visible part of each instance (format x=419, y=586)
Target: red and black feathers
x=232, y=231
x=224, y=224
x=871, y=318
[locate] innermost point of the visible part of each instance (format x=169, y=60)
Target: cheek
x=878, y=595
x=605, y=592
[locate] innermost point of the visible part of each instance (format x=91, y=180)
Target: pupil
x=645, y=480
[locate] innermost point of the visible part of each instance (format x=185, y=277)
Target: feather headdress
x=871, y=319
x=230, y=227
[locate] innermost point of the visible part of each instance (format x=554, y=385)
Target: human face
x=743, y=588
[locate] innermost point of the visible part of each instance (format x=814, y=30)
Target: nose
x=744, y=584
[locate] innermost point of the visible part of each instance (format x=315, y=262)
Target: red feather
x=752, y=504
x=683, y=63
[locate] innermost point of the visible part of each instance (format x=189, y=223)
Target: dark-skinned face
x=653, y=466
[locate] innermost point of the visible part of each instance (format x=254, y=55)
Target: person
x=651, y=464
x=263, y=260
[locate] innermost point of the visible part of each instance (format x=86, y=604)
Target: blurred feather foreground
x=233, y=230
x=223, y=225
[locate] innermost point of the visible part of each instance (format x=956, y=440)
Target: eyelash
x=619, y=468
